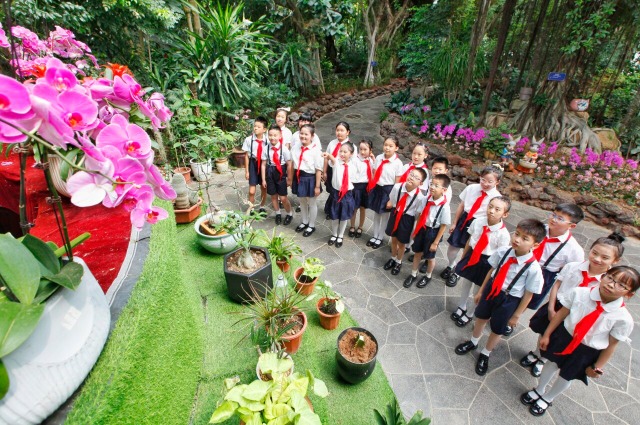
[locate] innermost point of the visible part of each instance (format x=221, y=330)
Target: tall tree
x=477, y=34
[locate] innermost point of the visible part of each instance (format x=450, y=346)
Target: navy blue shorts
x=305, y=188
x=549, y=280
x=476, y=273
x=276, y=183
x=498, y=309
x=460, y=235
x=342, y=210
x=255, y=175
x=360, y=195
x=540, y=321
x=572, y=366
x=378, y=198
x=423, y=241
x=405, y=227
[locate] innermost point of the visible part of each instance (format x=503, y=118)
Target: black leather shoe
x=536, y=408
x=446, y=273
x=396, y=269
x=410, y=257
x=452, y=281
x=456, y=314
x=278, y=218
x=309, y=231
x=332, y=240
x=410, y=280
x=482, y=365
x=301, y=227
x=508, y=331
x=536, y=369
x=465, y=347
x=423, y=282
x=298, y=209
x=377, y=244
x=423, y=267
x=371, y=241
x=352, y=231
x=338, y=242
x=526, y=399
x=389, y=264
x=287, y=220
x=463, y=321
x=529, y=359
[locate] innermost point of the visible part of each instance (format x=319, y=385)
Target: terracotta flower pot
x=292, y=342
x=189, y=214
x=327, y=321
x=185, y=171
x=237, y=157
x=283, y=265
x=304, y=288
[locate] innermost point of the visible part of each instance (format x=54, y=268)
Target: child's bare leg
x=252, y=195
x=363, y=215
x=286, y=204
x=399, y=250
x=394, y=244
x=274, y=203
x=492, y=341
x=478, y=327
x=431, y=264
x=263, y=196
x=417, y=257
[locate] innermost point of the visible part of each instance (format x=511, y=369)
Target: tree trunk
x=507, y=14
x=197, y=28
x=162, y=152
x=316, y=66
x=369, y=78
x=476, y=38
x=332, y=51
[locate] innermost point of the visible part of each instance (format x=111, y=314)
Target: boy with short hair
x=277, y=173
x=487, y=235
x=440, y=165
x=254, y=146
x=514, y=277
x=405, y=199
x=433, y=221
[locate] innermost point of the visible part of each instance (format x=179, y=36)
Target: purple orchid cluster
x=59, y=111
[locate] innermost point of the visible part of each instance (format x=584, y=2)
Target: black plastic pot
x=242, y=286
x=354, y=373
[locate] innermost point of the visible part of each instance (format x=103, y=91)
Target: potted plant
x=282, y=249
x=247, y=269
x=356, y=354
x=493, y=146
x=307, y=275
x=42, y=344
x=214, y=235
x=272, y=364
x=329, y=307
x=393, y=416
x=283, y=401
x=187, y=205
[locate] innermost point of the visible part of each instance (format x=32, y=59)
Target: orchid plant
x=62, y=101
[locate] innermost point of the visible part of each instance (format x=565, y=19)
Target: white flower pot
x=50, y=365
x=201, y=170
x=216, y=244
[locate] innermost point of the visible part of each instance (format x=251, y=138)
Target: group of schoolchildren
x=585, y=316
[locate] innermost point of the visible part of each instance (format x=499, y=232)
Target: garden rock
x=585, y=200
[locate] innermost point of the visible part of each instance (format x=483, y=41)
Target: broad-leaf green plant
x=393, y=416
x=282, y=247
x=31, y=271
x=333, y=303
x=239, y=225
x=313, y=267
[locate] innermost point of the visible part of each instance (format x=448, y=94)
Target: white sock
x=341, y=228
x=313, y=212
x=376, y=223
x=334, y=227
x=428, y=274
x=452, y=254
x=382, y=225
x=465, y=286
x=475, y=340
x=548, y=372
x=414, y=273
x=485, y=352
x=561, y=385
x=278, y=211
x=304, y=210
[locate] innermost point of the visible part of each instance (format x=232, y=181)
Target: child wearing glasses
x=405, y=200
x=604, y=253
x=433, y=221
x=583, y=335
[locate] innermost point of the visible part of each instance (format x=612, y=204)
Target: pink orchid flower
x=4, y=42
x=151, y=215
x=127, y=88
x=88, y=189
x=156, y=103
x=59, y=76
x=129, y=139
x=15, y=107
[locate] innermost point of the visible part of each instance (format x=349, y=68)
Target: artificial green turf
x=175, y=343
x=150, y=368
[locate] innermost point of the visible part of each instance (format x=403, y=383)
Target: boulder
x=585, y=200
x=608, y=139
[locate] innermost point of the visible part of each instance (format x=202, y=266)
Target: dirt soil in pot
x=355, y=354
x=258, y=256
x=329, y=308
x=297, y=319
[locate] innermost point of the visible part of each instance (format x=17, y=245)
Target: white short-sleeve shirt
x=315, y=141
x=283, y=153
x=311, y=159
x=287, y=136
x=443, y=218
x=471, y=193
x=361, y=176
x=251, y=143
x=571, y=277
x=332, y=146
x=498, y=235
x=570, y=253
x=338, y=172
x=406, y=168
x=615, y=320
x=415, y=195
x=531, y=280
x=390, y=171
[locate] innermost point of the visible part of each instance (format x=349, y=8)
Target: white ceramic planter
x=215, y=244
x=54, y=361
x=222, y=165
x=201, y=170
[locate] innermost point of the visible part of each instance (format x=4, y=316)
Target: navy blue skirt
x=572, y=366
x=342, y=210
x=423, y=241
x=360, y=194
x=276, y=182
x=476, y=273
x=255, y=175
x=549, y=280
x=305, y=188
x=378, y=198
x=540, y=321
x=405, y=227
x=460, y=235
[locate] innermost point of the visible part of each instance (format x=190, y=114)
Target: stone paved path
x=417, y=337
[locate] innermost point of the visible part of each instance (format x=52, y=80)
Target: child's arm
x=328, y=158
x=289, y=173
x=476, y=298
x=457, y=217
x=263, y=173
x=555, y=322
x=524, y=302
x=603, y=358
x=553, y=295
x=325, y=165
x=436, y=241
x=317, y=189
x=246, y=165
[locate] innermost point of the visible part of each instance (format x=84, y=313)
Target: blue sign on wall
x=556, y=76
